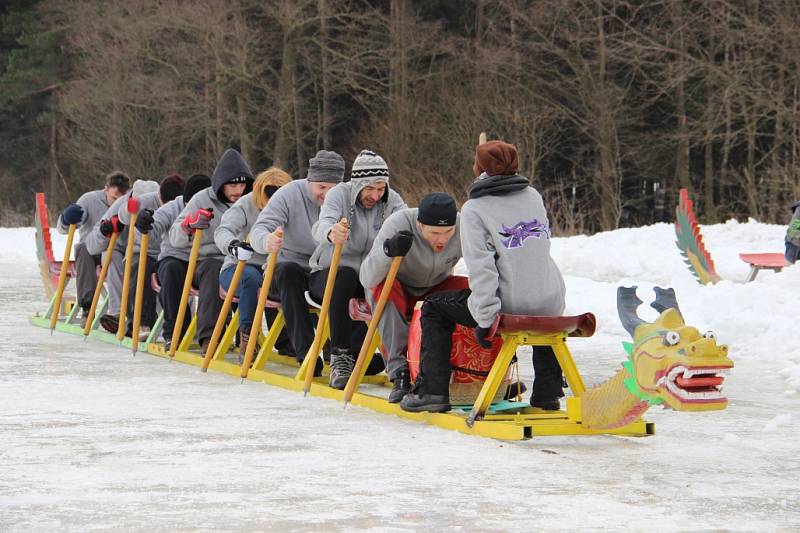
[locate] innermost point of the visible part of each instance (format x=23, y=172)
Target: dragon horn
x=627, y=303
x=665, y=299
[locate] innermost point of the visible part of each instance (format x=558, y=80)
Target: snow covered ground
x=94, y=439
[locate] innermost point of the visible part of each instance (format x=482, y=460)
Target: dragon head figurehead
x=669, y=362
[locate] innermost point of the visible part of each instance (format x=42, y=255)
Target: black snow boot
x=402, y=386
x=432, y=403
x=515, y=389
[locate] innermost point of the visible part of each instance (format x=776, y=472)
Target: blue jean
x=247, y=292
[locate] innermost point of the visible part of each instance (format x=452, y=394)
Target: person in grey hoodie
x=97, y=243
x=294, y=209
x=505, y=238
x=172, y=262
x=428, y=239
x=231, y=238
x=230, y=181
x=85, y=213
x=352, y=215
x=169, y=188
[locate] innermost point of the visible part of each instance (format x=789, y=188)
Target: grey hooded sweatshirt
x=96, y=242
x=422, y=268
x=342, y=202
x=94, y=204
x=293, y=209
x=151, y=201
x=506, y=244
x=235, y=225
x=231, y=165
x=162, y=222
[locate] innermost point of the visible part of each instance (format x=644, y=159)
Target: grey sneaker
x=342, y=364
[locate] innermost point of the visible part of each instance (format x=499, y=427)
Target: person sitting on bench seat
x=505, y=239
x=793, y=236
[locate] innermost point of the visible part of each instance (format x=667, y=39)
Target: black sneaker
x=402, y=386
x=110, y=323
x=342, y=364
x=432, y=403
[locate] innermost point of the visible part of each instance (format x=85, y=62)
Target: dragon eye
x=710, y=335
x=672, y=338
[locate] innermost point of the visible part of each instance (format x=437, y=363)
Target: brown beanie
x=496, y=158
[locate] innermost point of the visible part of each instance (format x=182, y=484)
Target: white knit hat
x=371, y=166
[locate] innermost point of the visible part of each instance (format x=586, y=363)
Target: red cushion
x=575, y=326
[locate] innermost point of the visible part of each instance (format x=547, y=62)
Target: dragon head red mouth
x=694, y=388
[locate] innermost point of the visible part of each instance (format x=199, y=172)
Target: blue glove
x=73, y=214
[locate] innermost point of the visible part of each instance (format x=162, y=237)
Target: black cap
x=195, y=184
x=437, y=209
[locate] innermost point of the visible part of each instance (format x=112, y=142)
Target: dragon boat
x=669, y=364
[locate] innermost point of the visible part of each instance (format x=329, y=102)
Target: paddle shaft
x=259, y=315
x=126, y=278
x=187, y=285
x=355, y=377
x=140, y=281
x=313, y=352
x=100, y=280
x=62, y=279
x=223, y=314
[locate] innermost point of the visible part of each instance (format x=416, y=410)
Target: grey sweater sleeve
x=332, y=211
x=479, y=256
x=272, y=217
x=96, y=242
x=375, y=266
x=233, y=222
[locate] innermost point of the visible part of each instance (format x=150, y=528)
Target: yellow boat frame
x=521, y=423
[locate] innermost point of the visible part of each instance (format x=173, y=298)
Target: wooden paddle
x=140, y=281
x=133, y=210
x=310, y=361
x=187, y=285
x=100, y=280
x=259, y=316
x=62, y=280
x=223, y=314
x=355, y=377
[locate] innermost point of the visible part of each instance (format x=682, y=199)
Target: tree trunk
x=280, y=155
x=326, y=80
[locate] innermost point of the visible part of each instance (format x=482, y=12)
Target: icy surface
x=97, y=440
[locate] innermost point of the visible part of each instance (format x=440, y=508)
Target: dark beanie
x=496, y=158
x=171, y=187
x=326, y=166
x=437, y=209
x=195, y=184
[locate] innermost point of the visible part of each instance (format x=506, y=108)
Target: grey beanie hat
x=326, y=167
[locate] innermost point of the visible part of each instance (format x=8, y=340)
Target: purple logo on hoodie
x=519, y=232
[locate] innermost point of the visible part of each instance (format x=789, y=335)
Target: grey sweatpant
x=114, y=282
x=86, y=270
x=393, y=328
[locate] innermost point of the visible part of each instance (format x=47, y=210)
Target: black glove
x=112, y=225
x=73, y=214
x=240, y=250
x=144, y=222
x=399, y=245
x=480, y=336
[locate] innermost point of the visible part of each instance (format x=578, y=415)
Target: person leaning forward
x=364, y=203
x=294, y=208
x=428, y=238
x=230, y=181
x=505, y=238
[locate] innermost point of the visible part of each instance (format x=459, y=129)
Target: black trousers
x=171, y=275
x=86, y=271
x=209, y=304
x=440, y=313
x=289, y=284
x=149, y=314
x=346, y=333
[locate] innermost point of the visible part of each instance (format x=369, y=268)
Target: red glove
x=200, y=219
x=109, y=226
